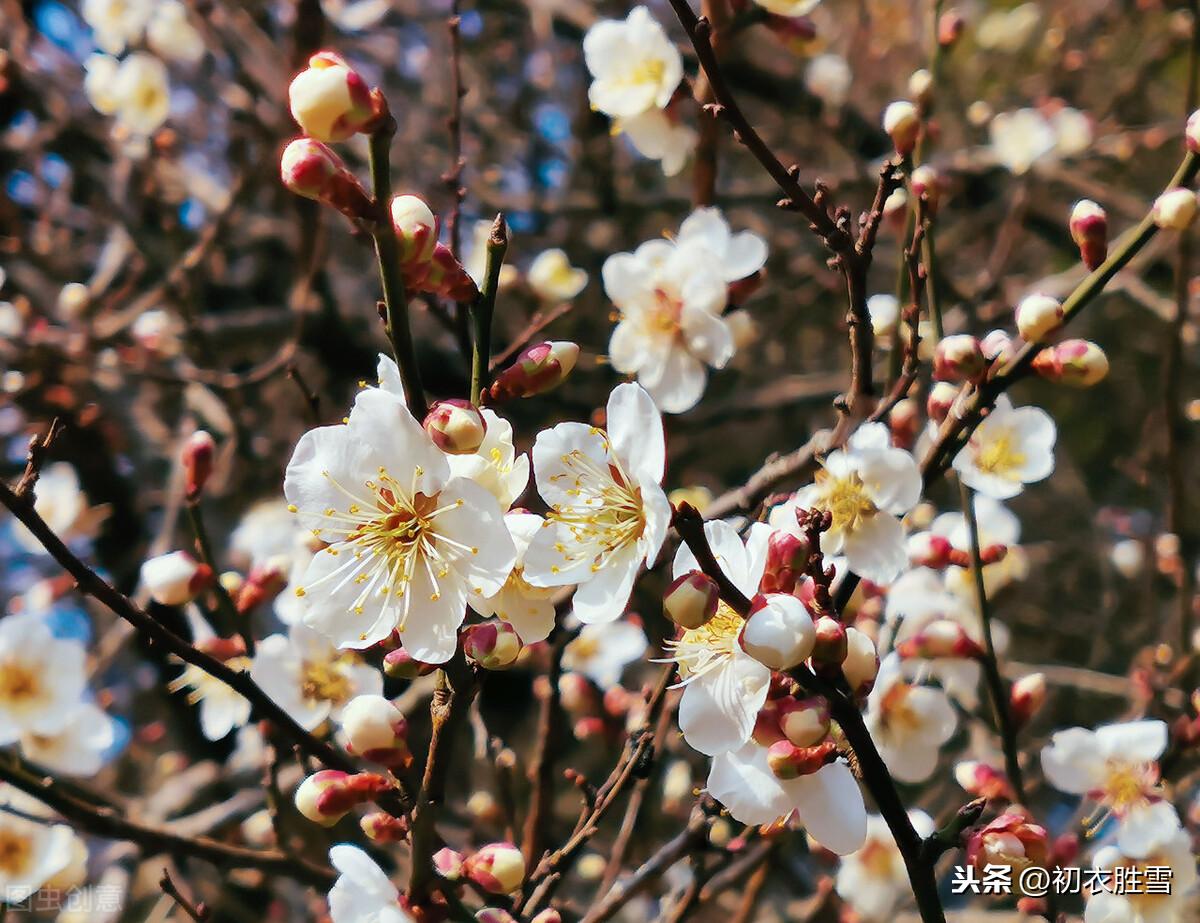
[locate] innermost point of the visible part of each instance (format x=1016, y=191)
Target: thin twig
x=198, y=912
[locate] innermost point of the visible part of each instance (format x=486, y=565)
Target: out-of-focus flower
x=634, y=65
x=60, y=501
x=171, y=35
x=659, y=134
x=308, y=677
x=159, y=332
x=1012, y=447
x=909, y=723
x=608, y=513
x=527, y=608
x=737, y=256
x=33, y=854
x=1172, y=851
x=175, y=578
x=553, y=278
x=602, y=652
x=221, y=708
x=329, y=100
x=362, y=891
x=408, y=541
x=1019, y=139
x=100, y=74
x=1072, y=132
x=873, y=880
x=1008, y=30
x=790, y=9
x=79, y=747
x=117, y=24
x=42, y=678
x=828, y=77
x=142, y=93
x=885, y=312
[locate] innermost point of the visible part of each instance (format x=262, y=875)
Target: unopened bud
x=312, y=170
x=1076, y=363
x=768, y=728
x=925, y=181
x=1038, y=316
x=787, y=555
x=198, y=457
x=778, y=632
x=540, y=368
x=942, y=395
x=576, y=693
x=920, y=88
x=928, y=550
x=895, y=209
x=787, y=761
x=1089, y=230
x=940, y=638
x=831, y=646
x=1175, y=209
x=448, y=863
x=492, y=645
x=1191, y=133
x=265, y=581
x=1011, y=840
x=998, y=347
x=381, y=827
x=905, y=422
x=376, y=730
x=549, y=915
x=498, y=868
x=494, y=915
x=455, y=426
x=327, y=796
x=399, y=664
x=175, y=578
x=903, y=123
x=691, y=599
x=950, y=27
x=329, y=100
x=861, y=664
x=1026, y=697
x=416, y=228
x=804, y=722
x=958, y=358
x=982, y=781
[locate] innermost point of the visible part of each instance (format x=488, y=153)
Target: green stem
x=484, y=307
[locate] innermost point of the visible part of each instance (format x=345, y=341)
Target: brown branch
x=198, y=912
x=38, y=447
x=541, y=769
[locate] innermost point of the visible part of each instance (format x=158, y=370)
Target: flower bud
x=1026, y=697
x=540, y=368
x=895, y=210
x=329, y=100
x=265, y=581
x=448, y=863
x=498, y=868
x=920, y=88
x=1191, y=133
x=455, y=426
x=831, y=645
x=1089, y=230
x=982, y=781
x=905, y=423
x=492, y=645
x=73, y=300
x=926, y=182
x=175, y=578
x=376, y=729
x=577, y=694
x=768, y=728
x=1011, y=840
x=442, y=275
x=381, y=827
x=778, y=632
x=1076, y=363
x=942, y=395
x=416, y=228
x=787, y=761
x=198, y=456
x=1038, y=316
x=1175, y=209
x=998, y=347
x=494, y=915
x=549, y=915
x=327, y=796
x=861, y=665
x=399, y=664
x=903, y=123
x=958, y=358
x=691, y=599
x=312, y=170
x=940, y=638
x=928, y=550
x=787, y=556
x=804, y=722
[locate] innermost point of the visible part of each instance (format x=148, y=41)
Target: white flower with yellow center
x=908, y=722
x=866, y=487
x=79, y=747
x=1012, y=447
x=608, y=513
x=553, y=278
x=42, y=678
x=602, y=652
x=723, y=686
x=117, y=23
x=527, y=608
x=407, y=541
x=31, y=853
x=828, y=802
x=873, y=880
x=670, y=298
x=1116, y=766
x=1171, y=851
x=142, y=93
x=171, y=35
x=634, y=65
x=310, y=678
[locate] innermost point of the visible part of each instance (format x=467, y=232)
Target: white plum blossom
x=222, y=709
x=723, y=686
x=828, y=802
x=308, y=677
x=873, y=880
x=602, y=652
x=1116, y=765
x=31, y=853
x=1012, y=447
x=634, y=65
x=407, y=540
x=738, y=256
x=61, y=502
x=362, y=893
x=608, y=513
x=908, y=722
x=553, y=278
x=828, y=77
x=529, y=609
x=866, y=487
x=657, y=135
x=42, y=678
x=1019, y=139
x=141, y=93
x=1172, y=850
x=117, y=24
x=79, y=747
x=171, y=35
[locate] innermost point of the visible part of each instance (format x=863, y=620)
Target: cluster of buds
x=1077, y=363
x=330, y=101
x=313, y=170
x=1089, y=230
x=327, y=796
x=691, y=600
x=796, y=735
x=198, y=457
x=400, y=664
x=175, y=578
x=787, y=560
x=376, y=730
x=1037, y=317
x=940, y=638
x=427, y=263
x=455, y=426
x=902, y=122
x=1027, y=695
x=1011, y=840
x=498, y=868
x=381, y=827
x=1175, y=209
x=538, y=369
x=958, y=358
x=493, y=645
x=779, y=631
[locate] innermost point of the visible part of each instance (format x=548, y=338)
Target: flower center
x=878, y=858
x=648, y=70
x=1128, y=785
x=21, y=686
x=699, y=650
x=324, y=680
x=896, y=712
x=16, y=851
x=999, y=456
x=846, y=499
x=663, y=319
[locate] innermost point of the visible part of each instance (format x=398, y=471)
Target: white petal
x=681, y=384
x=875, y=550
x=831, y=807
x=1073, y=761
x=743, y=782
x=604, y=597
x=1134, y=741
x=1145, y=828
x=717, y=709
x=636, y=432
x=708, y=338
x=747, y=254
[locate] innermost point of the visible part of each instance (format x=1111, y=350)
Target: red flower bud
x=199, y=455
x=538, y=369
x=958, y=358
x=1089, y=230
x=455, y=426
x=787, y=761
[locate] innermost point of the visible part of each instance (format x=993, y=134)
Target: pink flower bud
x=416, y=228
x=175, y=578
x=1026, y=697
x=1011, y=840
x=399, y=664
x=199, y=454
x=691, y=599
x=1076, y=363
x=928, y=550
x=804, y=722
x=787, y=556
x=448, y=863
x=778, y=632
x=1175, y=209
x=1089, y=230
x=982, y=781
x=768, y=728
x=905, y=423
x=831, y=645
x=327, y=796
x=376, y=730
x=329, y=100
x=940, y=638
x=958, y=358
x=1038, y=316
x=445, y=276
x=1191, y=133
x=861, y=665
x=578, y=696
x=950, y=27
x=998, y=347
x=903, y=123
x=455, y=426
x=925, y=181
x=265, y=581
x=942, y=395
x=538, y=369
x=312, y=170
x=787, y=761
x=492, y=645
x=498, y=868
x=382, y=827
